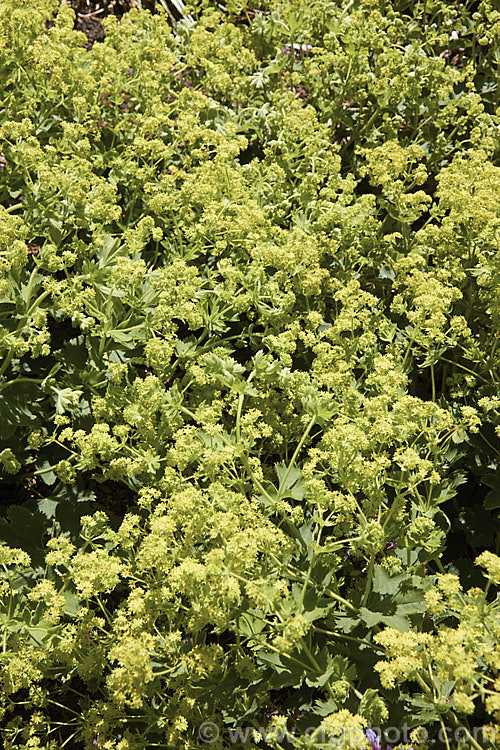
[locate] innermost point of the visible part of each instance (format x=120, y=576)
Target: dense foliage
x=249, y=417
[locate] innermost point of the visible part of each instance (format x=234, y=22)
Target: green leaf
x=66, y=398
x=25, y=529
x=370, y=618
x=286, y=671
x=291, y=484
x=49, y=477
x=492, y=500
x=397, y=621
x=325, y=707
x=72, y=604
x=383, y=583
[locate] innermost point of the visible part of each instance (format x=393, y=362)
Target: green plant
x=249, y=286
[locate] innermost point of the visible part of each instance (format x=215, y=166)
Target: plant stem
x=294, y=457
x=369, y=576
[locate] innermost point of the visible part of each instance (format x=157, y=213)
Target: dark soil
x=89, y=15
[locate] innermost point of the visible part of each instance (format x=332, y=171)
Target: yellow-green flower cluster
x=249, y=422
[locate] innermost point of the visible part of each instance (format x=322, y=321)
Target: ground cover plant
x=249, y=408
